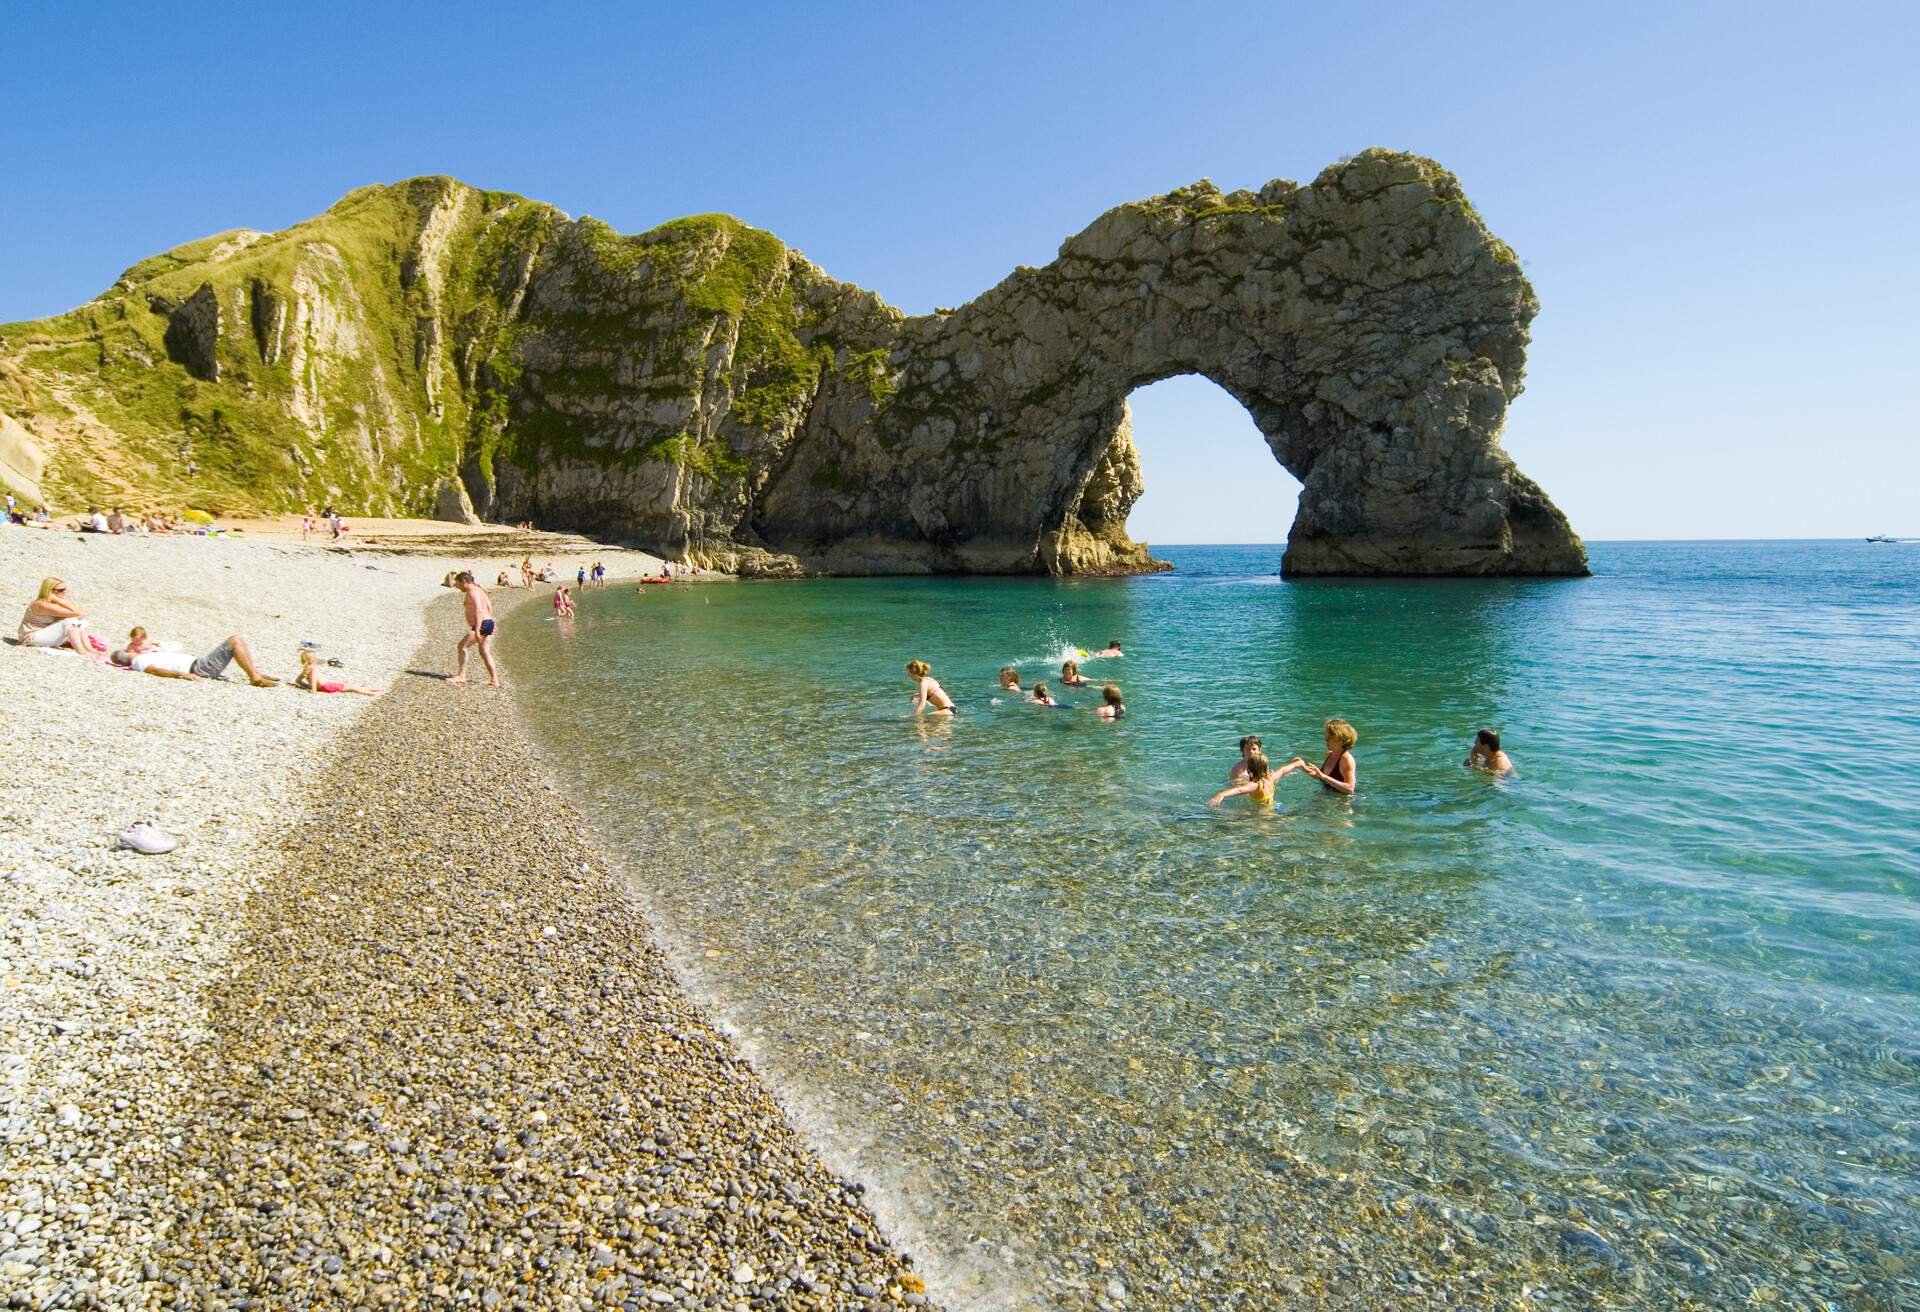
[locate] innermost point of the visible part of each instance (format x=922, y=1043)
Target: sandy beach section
x=380, y=1032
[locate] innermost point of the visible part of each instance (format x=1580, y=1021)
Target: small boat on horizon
x=1881, y=537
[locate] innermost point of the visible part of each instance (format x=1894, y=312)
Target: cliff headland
x=707, y=392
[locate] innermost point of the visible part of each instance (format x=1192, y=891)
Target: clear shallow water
x=1639, y=1027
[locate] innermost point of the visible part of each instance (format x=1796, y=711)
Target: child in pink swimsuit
x=309, y=679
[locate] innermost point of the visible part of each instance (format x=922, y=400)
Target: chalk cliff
x=429, y=348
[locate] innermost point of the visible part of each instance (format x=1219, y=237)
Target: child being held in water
x=928, y=695
x=1486, y=754
x=1259, y=785
x=1339, y=771
x=309, y=678
x=1112, y=708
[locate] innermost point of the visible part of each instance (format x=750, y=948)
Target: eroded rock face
x=1369, y=323
x=707, y=392
x=193, y=333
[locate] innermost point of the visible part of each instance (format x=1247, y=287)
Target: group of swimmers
x=930, y=698
x=1253, y=776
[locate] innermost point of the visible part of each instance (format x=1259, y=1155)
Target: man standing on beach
x=479, y=629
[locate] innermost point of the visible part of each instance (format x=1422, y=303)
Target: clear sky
x=1719, y=205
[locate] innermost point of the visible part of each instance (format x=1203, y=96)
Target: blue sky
x=1717, y=203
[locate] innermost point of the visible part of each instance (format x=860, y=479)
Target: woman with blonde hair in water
x=1339, y=771
x=1259, y=785
x=928, y=695
x=1111, y=708
x=1009, y=679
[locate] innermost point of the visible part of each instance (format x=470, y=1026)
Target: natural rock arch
x=1370, y=324
x=708, y=392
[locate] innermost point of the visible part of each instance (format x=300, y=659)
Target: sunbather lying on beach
x=50, y=621
x=182, y=665
x=1486, y=754
x=1339, y=771
x=928, y=695
x=310, y=680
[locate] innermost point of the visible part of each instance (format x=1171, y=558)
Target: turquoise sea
x=1637, y=1028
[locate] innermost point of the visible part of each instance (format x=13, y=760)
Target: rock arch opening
x=1207, y=474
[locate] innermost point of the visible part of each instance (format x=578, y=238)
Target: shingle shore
x=449, y=1067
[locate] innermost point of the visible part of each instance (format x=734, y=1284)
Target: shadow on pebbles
x=450, y=1068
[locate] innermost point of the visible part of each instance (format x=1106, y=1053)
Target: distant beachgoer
x=1112, y=707
x=1009, y=679
x=1248, y=745
x=51, y=621
x=1486, y=754
x=95, y=523
x=12, y=508
x=336, y=525
x=306, y=525
x=1339, y=771
x=1071, y=676
x=1259, y=782
x=1039, y=696
x=562, y=601
x=526, y=572
x=479, y=632
x=1112, y=649
x=503, y=580
x=116, y=522
x=310, y=680
x=184, y=665
x=928, y=695
x=580, y=577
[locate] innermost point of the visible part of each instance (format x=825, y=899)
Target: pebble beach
x=383, y=1031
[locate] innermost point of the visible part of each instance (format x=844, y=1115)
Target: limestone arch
x=1369, y=323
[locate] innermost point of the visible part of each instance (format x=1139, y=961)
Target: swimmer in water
x=1486, y=754
x=1009, y=679
x=1339, y=771
x=1041, y=697
x=1071, y=676
x=1112, y=649
x=1259, y=783
x=1111, y=707
x=1248, y=745
x=928, y=695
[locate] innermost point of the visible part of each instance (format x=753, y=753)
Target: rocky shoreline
x=451, y=1066
x=401, y=1040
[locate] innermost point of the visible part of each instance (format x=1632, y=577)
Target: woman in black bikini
x=1339, y=771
